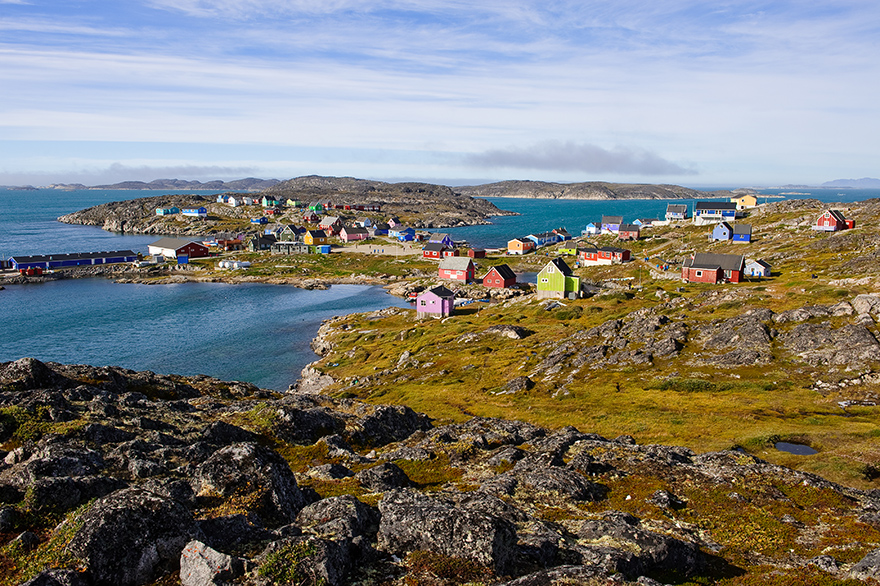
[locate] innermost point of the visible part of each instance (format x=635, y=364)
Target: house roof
x=317, y=233
x=614, y=249
x=716, y=205
x=381, y=226
x=173, y=243
x=542, y=235
x=435, y=246
x=612, y=219
x=354, y=230
x=723, y=225
x=728, y=262
x=676, y=208
x=440, y=291
x=836, y=214
x=72, y=256
x=457, y=263
x=763, y=263
x=438, y=237
x=629, y=228
x=560, y=265
x=328, y=220
x=742, y=229
x=504, y=271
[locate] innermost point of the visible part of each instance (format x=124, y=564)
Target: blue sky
x=695, y=93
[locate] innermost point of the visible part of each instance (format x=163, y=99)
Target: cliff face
x=588, y=190
x=111, y=476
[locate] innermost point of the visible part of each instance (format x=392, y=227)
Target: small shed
x=742, y=232
x=757, y=268
x=477, y=252
x=721, y=232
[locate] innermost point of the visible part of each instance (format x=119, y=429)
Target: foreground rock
x=125, y=478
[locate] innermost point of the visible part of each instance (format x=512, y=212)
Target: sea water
x=255, y=333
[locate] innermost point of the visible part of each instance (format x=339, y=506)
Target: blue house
x=709, y=212
x=543, y=238
x=399, y=231
x=591, y=229
x=611, y=224
x=722, y=232
x=58, y=261
x=167, y=211
x=260, y=220
x=742, y=232
x=441, y=238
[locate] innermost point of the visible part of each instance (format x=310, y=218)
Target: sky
x=725, y=93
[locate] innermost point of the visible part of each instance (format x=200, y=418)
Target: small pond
x=796, y=449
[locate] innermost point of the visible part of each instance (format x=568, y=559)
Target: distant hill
x=863, y=183
x=247, y=184
x=587, y=190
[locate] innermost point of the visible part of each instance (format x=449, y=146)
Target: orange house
x=520, y=246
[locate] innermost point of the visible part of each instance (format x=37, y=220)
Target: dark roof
x=629, y=228
x=354, y=230
x=587, y=249
x=504, y=271
x=438, y=246
x=72, y=256
x=763, y=263
x=441, y=291
x=742, y=229
x=612, y=219
x=728, y=262
x=318, y=233
x=561, y=265
x=381, y=226
x=712, y=205
x=838, y=215
x=438, y=237
x=613, y=249
x=725, y=224
x=676, y=208
x=174, y=243
x=543, y=235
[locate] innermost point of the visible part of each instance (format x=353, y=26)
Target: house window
x=549, y=269
x=545, y=280
x=423, y=302
x=699, y=273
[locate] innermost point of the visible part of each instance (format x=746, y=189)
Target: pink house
x=436, y=302
x=352, y=233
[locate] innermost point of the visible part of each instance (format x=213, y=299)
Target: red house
x=628, y=232
x=833, y=221
x=500, y=277
x=713, y=268
x=457, y=268
x=476, y=253
x=434, y=250
x=607, y=255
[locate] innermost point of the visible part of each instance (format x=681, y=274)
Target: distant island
x=863, y=183
x=586, y=190
x=247, y=184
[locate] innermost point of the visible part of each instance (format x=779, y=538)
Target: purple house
x=436, y=302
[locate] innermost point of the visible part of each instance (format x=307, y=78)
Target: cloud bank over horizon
x=673, y=90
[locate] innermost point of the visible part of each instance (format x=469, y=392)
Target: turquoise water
x=256, y=333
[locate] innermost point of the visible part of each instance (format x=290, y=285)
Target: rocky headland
x=586, y=190
x=110, y=476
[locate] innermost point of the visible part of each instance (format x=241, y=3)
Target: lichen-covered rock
x=411, y=521
x=131, y=536
x=867, y=567
x=57, y=578
x=339, y=518
x=384, y=424
x=382, y=477
x=305, y=561
x=255, y=471
x=202, y=566
x=231, y=532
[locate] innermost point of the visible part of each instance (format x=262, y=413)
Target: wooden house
x=476, y=252
x=543, y=238
x=606, y=255
x=443, y=239
x=562, y=234
x=289, y=247
x=176, y=247
x=644, y=222
x=310, y=217
x=556, y=281
x=261, y=220
x=433, y=250
x=721, y=232
x=744, y=201
x=363, y=222
x=393, y=222
x=591, y=229
x=316, y=206
x=230, y=245
x=611, y=224
x=628, y=232
x=713, y=268
x=260, y=242
x=34, y=264
x=290, y=233
x=269, y=201
x=457, y=268
x=353, y=233
x=710, y=212
x=520, y=246
x=500, y=277
x=435, y=302
x=757, y=268
x=451, y=252
x=167, y=211
x=378, y=229
x=833, y=221
x=742, y=233
x=330, y=224
x=676, y=211
x=200, y=212
x=315, y=237
x=233, y=201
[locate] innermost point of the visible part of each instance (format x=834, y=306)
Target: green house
x=555, y=281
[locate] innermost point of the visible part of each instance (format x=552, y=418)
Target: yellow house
x=315, y=237
x=745, y=201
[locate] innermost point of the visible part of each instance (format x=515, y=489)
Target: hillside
x=111, y=476
x=588, y=190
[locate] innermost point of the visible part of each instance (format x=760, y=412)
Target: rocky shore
x=110, y=476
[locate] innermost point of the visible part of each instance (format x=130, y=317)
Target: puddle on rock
x=796, y=449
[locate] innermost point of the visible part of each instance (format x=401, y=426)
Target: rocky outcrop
x=238, y=485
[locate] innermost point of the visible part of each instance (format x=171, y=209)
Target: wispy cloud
x=579, y=157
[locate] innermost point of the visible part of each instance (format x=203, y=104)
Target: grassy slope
x=751, y=407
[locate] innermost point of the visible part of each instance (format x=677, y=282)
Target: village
x=323, y=227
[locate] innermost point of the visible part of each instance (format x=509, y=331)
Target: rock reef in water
x=112, y=476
